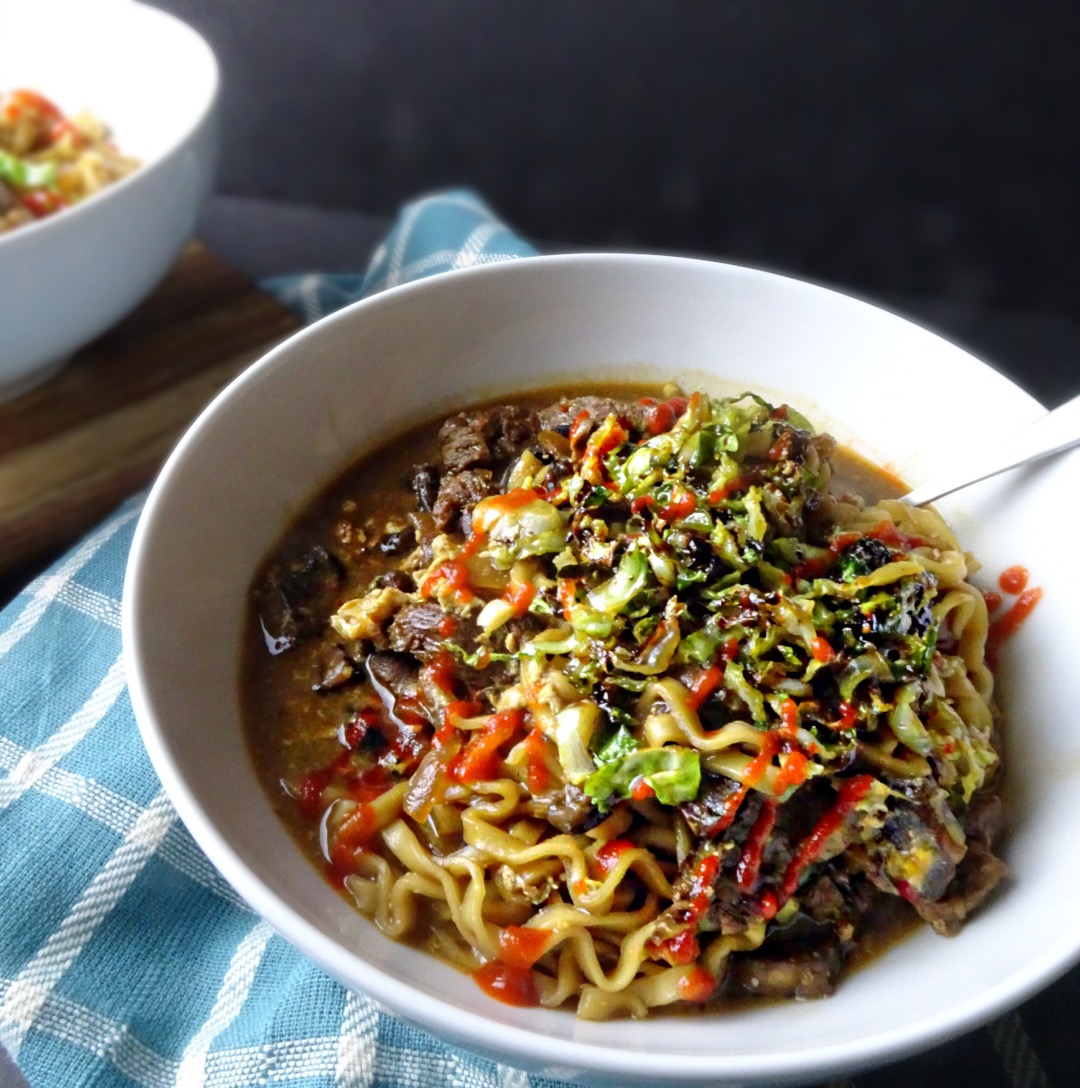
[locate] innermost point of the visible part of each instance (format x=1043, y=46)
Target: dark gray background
x=918, y=147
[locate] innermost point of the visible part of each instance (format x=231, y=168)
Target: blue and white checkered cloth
x=126, y=960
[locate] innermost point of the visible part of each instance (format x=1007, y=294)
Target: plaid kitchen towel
x=125, y=959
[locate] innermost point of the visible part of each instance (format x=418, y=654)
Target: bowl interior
x=892, y=389
x=142, y=72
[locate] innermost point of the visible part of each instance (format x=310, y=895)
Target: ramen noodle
x=49, y=161
x=619, y=702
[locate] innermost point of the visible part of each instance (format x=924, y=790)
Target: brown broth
x=292, y=731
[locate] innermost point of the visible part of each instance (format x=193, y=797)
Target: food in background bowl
x=49, y=161
x=66, y=278
x=624, y=701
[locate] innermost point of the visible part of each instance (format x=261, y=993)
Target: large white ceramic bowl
x=154, y=81
x=337, y=389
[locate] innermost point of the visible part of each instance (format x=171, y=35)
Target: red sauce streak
x=767, y=905
x=640, y=790
x=607, y=857
x=519, y=595
x=851, y=793
x=512, y=500
x=793, y=771
x=1013, y=580
x=728, y=812
x=447, y=626
x=754, y=771
x=351, y=839
x=746, y=872
x=579, y=428
x=1006, y=625
x=611, y=441
x=696, y=985
x=369, y=785
x=818, y=565
x=441, y=668
x=678, y=950
x=537, y=774
x=508, y=984
x=659, y=418
x=683, y=503
x=727, y=490
x=308, y=793
x=477, y=539
x=848, y=717
x=822, y=650
x=700, y=885
x=522, y=946
x=993, y=600
x=762, y=761
x=706, y=683
x=456, y=576
x=888, y=533
x=479, y=761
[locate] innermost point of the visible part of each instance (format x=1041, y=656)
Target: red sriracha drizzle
x=537, y=773
x=757, y=767
x=607, y=857
x=851, y=793
x=1006, y=625
x=816, y=567
x=746, y=872
x=522, y=946
x=455, y=575
x=508, y=984
x=480, y=759
x=696, y=985
x=1013, y=579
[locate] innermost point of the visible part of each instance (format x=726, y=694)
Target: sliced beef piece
x=568, y=809
x=705, y=811
x=477, y=439
x=978, y=875
x=414, y=630
x=729, y=912
x=394, y=673
x=459, y=492
x=910, y=851
x=296, y=598
x=510, y=429
x=462, y=443
x=425, y=486
x=559, y=417
x=337, y=670
x=801, y=973
x=822, y=899
x=983, y=819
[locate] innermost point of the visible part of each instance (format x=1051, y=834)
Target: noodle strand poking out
x=617, y=705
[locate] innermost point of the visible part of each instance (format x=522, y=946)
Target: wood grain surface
x=72, y=449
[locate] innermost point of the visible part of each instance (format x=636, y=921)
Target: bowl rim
x=428, y=1011
x=10, y=239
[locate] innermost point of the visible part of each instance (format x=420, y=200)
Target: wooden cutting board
x=72, y=449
